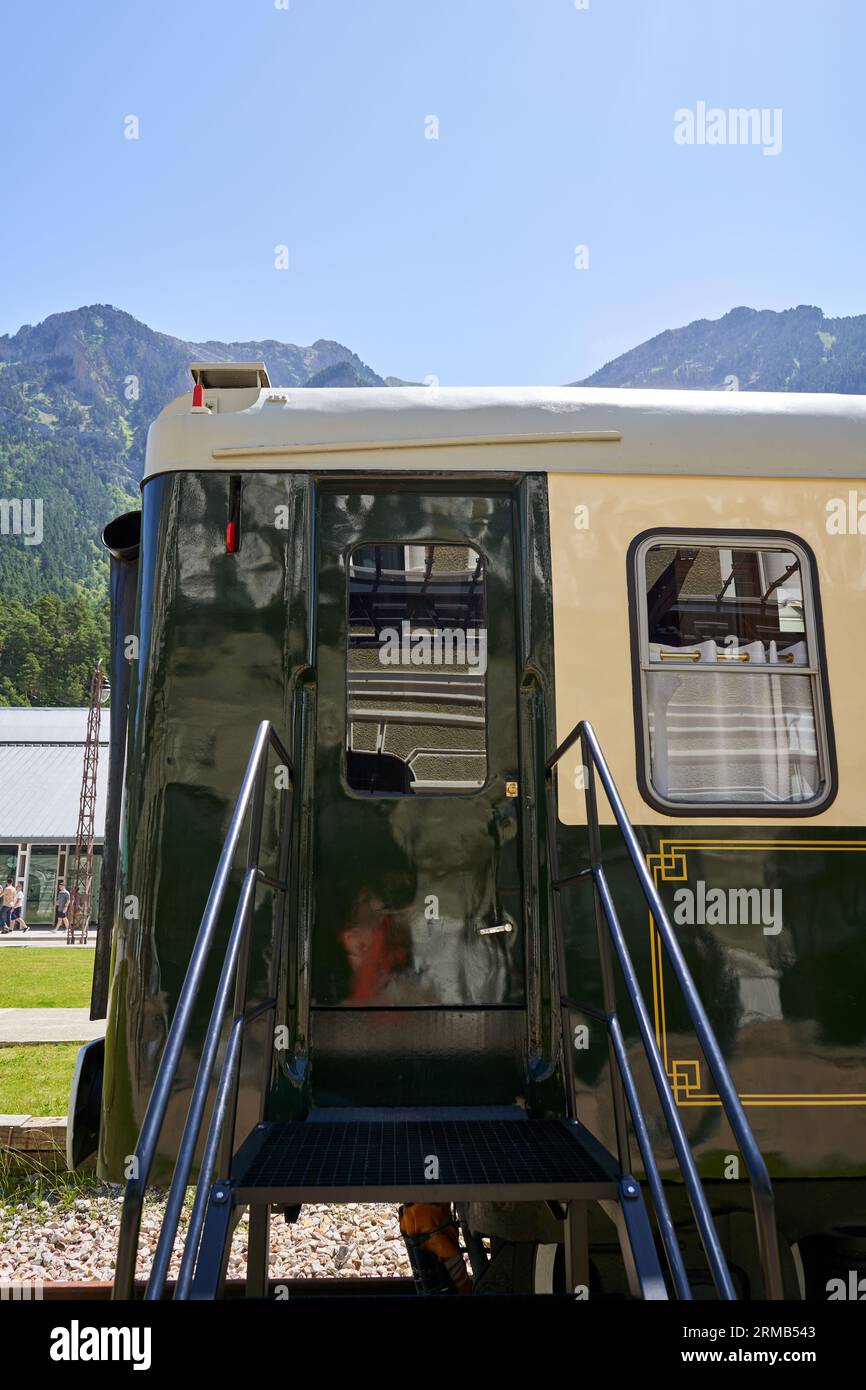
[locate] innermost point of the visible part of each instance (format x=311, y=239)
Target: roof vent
x=226, y=376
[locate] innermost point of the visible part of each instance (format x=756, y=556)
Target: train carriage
x=550, y=913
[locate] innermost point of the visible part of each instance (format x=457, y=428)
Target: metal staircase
x=625, y=1095
x=370, y=1155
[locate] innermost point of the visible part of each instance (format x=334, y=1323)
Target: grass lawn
x=54, y=978
x=35, y=1080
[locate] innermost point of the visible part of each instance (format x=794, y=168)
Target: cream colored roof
x=564, y=429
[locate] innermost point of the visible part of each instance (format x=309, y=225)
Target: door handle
x=494, y=931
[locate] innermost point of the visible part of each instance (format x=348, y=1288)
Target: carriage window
x=730, y=680
x=416, y=670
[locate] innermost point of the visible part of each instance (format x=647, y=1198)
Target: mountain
x=793, y=350
x=77, y=393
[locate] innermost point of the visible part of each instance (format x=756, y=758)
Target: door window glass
x=42, y=883
x=416, y=669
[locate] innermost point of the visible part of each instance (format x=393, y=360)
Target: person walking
x=61, y=907
x=6, y=906
x=17, y=918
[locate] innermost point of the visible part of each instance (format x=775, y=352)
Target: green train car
x=423, y=592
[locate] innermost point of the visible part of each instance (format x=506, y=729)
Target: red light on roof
x=197, y=395
x=231, y=537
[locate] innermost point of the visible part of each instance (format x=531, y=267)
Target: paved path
x=41, y=936
x=48, y=1025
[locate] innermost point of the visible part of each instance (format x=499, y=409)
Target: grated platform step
x=412, y=1160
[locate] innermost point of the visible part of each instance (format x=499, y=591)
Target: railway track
x=99, y=1290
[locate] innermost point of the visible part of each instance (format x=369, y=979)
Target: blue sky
x=304, y=126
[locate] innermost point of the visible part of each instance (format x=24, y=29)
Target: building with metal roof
x=41, y=766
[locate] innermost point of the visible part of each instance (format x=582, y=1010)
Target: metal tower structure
x=81, y=878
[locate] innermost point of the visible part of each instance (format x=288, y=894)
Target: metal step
x=389, y=1160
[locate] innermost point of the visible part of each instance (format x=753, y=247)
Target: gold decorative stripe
x=465, y=441
x=669, y=865
x=773, y=1102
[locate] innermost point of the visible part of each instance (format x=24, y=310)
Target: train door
x=417, y=951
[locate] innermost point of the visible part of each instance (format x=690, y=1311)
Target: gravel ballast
x=72, y=1239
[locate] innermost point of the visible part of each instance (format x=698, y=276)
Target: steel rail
x=606, y=917
x=201, y=1089
x=250, y=798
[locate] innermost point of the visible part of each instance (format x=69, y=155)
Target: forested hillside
x=749, y=350
x=77, y=394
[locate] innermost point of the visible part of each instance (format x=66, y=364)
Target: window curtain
x=735, y=736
